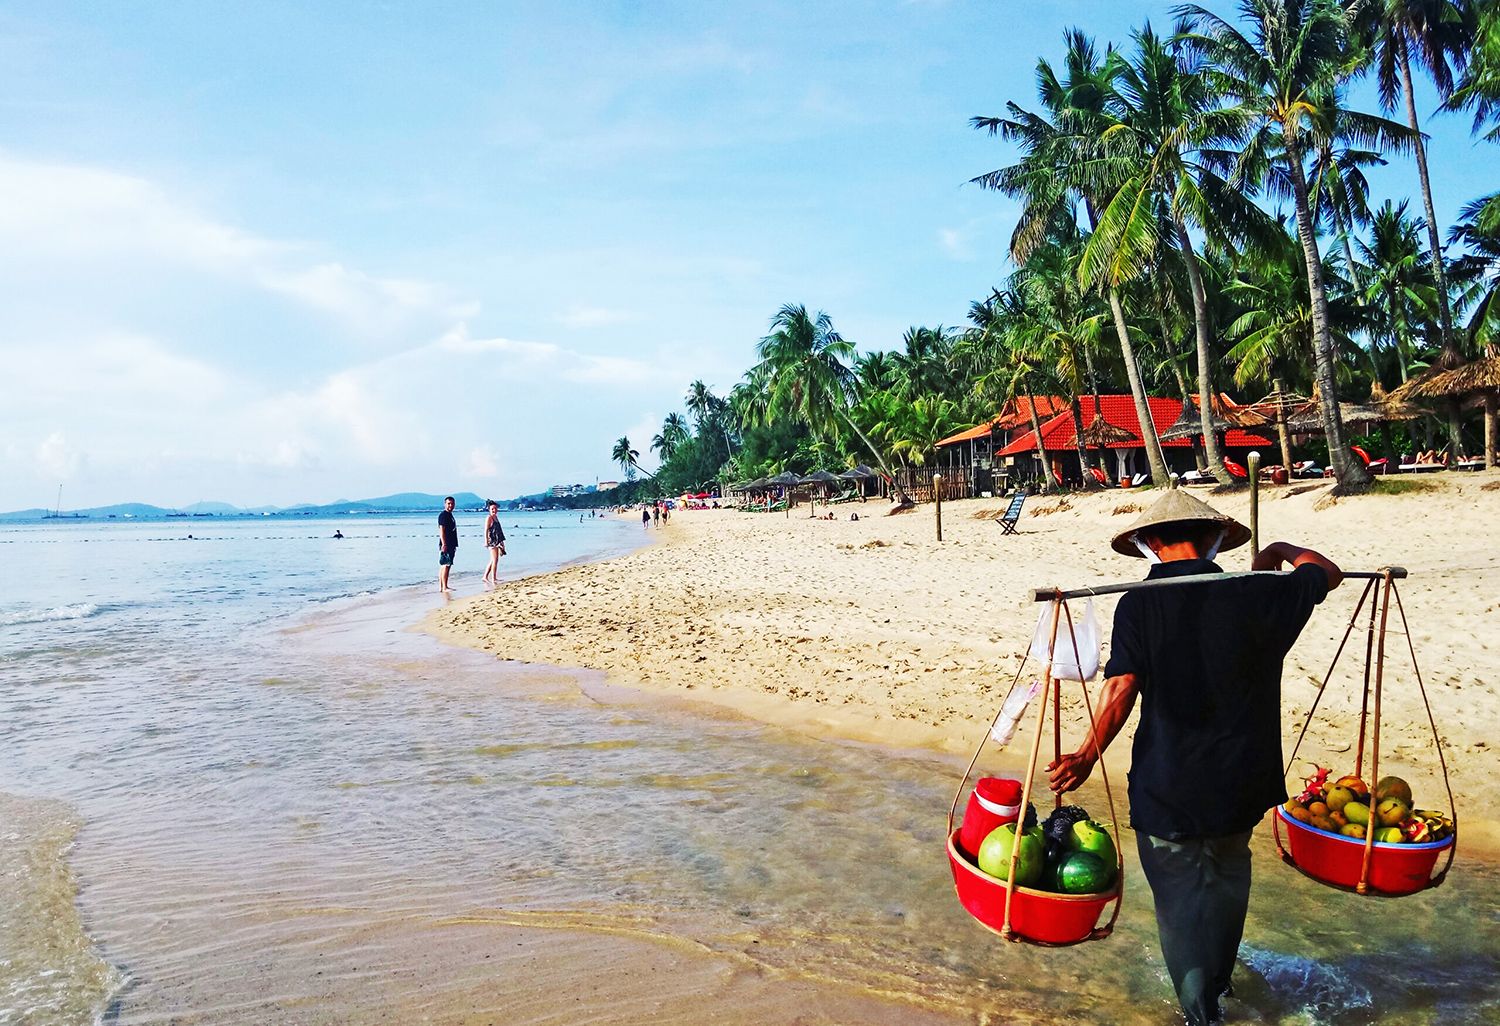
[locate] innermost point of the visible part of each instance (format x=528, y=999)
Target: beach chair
x=1012, y=514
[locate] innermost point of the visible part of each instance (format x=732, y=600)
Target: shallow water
x=297, y=811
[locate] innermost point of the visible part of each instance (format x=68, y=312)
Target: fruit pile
x=1348, y=806
x=1068, y=854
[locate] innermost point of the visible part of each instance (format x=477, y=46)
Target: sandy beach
x=872, y=630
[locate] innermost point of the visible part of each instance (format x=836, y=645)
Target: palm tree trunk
x=1084, y=463
x=1205, y=381
x=1445, y=318
x=1455, y=434
x=1345, y=468
x=1489, y=429
x=900, y=489
x=1283, y=434
x=1160, y=476
x=1041, y=448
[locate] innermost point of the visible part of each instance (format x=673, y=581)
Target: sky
x=270, y=253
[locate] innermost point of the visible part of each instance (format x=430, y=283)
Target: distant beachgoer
x=447, y=542
x=337, y=533
x=494, y=539
x=656, y=516
x=853, y=516
x=645, y=517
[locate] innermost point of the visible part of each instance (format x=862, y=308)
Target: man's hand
x=1273, y=555
x=1069, y=772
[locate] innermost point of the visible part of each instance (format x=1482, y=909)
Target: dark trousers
x=1202, y=890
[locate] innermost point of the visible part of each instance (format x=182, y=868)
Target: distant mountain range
x=402, y=502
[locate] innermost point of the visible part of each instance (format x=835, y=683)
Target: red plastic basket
x=1040, y=916
x=1395, y=869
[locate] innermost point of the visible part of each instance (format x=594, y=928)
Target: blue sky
x=275, y=252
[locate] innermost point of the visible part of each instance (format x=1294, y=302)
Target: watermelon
x=1091, y=837
x=1082, y=872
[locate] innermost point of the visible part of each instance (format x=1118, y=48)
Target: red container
x=1395, y=869
x=1036, y=915
x=994, y=801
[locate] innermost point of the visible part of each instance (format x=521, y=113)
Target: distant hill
x=400, y=502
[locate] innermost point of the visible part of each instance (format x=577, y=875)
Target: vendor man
x=1206, y=766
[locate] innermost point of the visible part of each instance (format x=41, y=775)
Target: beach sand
x=872, y=630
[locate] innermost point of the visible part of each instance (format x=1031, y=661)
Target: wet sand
x=873, y=630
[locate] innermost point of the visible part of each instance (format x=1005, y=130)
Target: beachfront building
x=1004, y=450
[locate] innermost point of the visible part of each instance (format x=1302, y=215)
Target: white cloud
x=72, y=214
x=593, y=317
x=482, y=463
x=550, y=360
x=58, y=459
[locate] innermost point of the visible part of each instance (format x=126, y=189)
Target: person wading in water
x=447, y=542
x=1205, y=659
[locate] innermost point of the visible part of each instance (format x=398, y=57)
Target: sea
x=237, y=787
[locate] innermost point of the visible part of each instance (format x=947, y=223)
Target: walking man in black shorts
x=447, y=542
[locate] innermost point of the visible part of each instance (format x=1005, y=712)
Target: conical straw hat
x=1177, y=507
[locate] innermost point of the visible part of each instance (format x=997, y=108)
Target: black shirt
x=1207, y=658
x=494, y=534
x=447, y=531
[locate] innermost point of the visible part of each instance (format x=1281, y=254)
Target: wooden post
x=1254, y=505
x=937, y=497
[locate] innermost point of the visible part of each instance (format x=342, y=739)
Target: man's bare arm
x=1115, y=703
x=1272, y=556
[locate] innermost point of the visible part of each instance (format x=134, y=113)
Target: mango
x=1353, y=783
x=1392, y=787
x=1301, y=815
x=1355, y=812
x=1318, y=809
x=1339, y=819
x=1354, y=830
x=1390, y=835
x=1292, y=805
x=1338, y=797
x=1392, y=811
x=1324, y=823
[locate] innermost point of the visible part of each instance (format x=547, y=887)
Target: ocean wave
x=76, y=611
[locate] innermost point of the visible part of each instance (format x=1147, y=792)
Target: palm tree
x=921, y=369
x=1399, y=292
x=701, y=402
x=1064, y=163
x=1278, y=76
x=1436, y=34
x=674, y=432
x=922, y=424
x=625, y=456
x=1168, y=119
x=803, y=363
x=875, y=372
x=1481, y=267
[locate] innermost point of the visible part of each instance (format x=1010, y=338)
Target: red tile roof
x=1015, y=413
x=1119, y=410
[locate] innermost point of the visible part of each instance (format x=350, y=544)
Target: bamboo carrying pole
x=1048, y=594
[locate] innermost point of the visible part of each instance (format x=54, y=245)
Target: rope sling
x=1050, y=688
x=1382, y=586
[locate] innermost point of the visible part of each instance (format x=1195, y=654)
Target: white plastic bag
x=1011, y=712
x=1082, y=665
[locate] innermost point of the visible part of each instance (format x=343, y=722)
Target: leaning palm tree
x=1278, y=75
x=1168, y=123
x=674, y=432
x=625, y=456
x=805, y=366
x=1063, y=163
x=1437, y=35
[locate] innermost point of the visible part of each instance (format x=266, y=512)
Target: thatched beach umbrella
x=1310, y=420
x=1481, y=378
x=1100, y=434
x=1449, y=359
x=1276, y=408
x=1189, y=424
